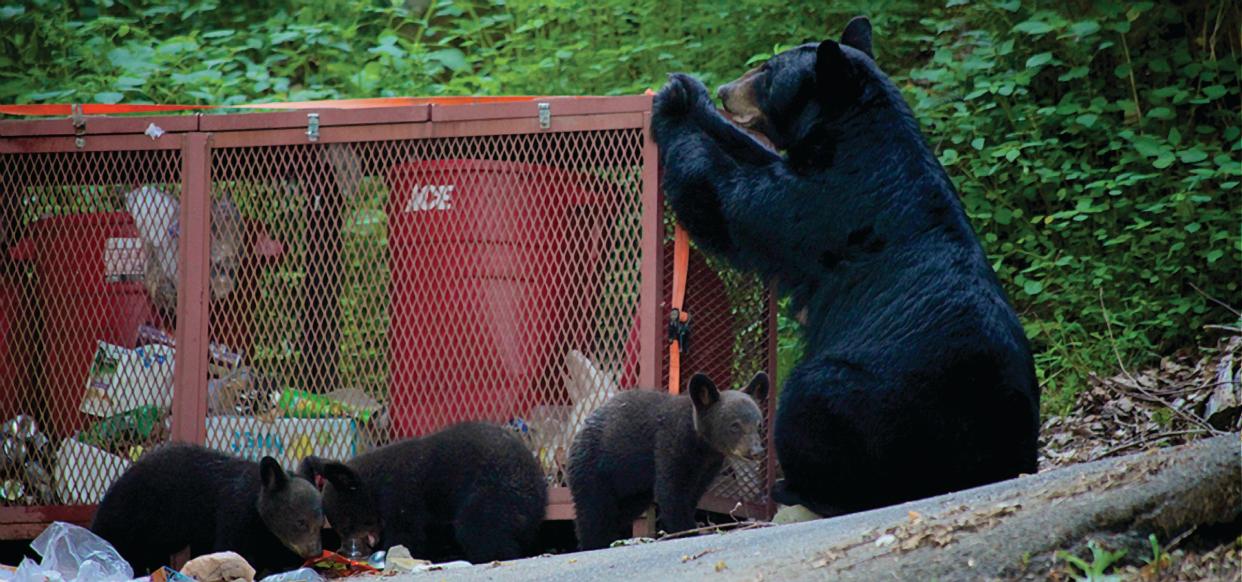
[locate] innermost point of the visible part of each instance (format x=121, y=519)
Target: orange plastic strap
x=681, y=267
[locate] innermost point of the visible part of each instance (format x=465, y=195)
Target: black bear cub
x=918, y=378
x=182, y=495
x=645, y=445
x=477, y=480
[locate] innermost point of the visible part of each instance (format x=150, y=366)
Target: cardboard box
x=121, y=379
x=287, y=440
x=124, y=260
x=83, y=473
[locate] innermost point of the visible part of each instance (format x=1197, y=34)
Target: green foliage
x=1095, y=144
x=1159, y=559
x=1096, y=570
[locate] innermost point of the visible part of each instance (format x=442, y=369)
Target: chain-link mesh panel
x=358, y=293
x=729, y=340
x=85, y=376
x=382, y=290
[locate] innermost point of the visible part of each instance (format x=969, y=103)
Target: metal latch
x=312, y=126
x=545, y=116
x=679, y=329
x=79, y=126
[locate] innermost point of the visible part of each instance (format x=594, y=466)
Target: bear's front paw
x=680, y=96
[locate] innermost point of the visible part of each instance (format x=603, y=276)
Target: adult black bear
x=918, y=378
x=476, y=479
x=645, y=445
x=185, y=495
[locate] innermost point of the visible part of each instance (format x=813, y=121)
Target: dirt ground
x=1152, y=408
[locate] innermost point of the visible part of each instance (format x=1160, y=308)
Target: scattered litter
x=121, y=380
x=632, y=542
x=71, y=553
x=167, y=574
x=334, y=565
x=690, y=558
x=885, y=540
x=154, y=131
x=299, y=575
x=442, y=566
x=398, y=560
x=721, y=566
x=794, y=514
x=22, y=445
x=219, y=567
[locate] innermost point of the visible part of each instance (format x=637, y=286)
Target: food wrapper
x=334, y=565
x=167, y=574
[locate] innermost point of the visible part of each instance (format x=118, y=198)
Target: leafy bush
x=1095, y=144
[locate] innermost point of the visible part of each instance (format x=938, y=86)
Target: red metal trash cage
x=324, y=282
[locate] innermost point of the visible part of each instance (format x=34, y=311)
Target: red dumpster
x=78, y=304
x=489, y=264
x=13, y=360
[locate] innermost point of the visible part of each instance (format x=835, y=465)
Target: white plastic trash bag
x=299, y=575
x=71, y=553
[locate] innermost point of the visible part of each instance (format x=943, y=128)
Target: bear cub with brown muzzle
x=646, y=445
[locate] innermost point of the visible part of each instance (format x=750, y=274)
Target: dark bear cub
x=182, y=495
x=645, y=445
x=476, y=480
x=918, y=378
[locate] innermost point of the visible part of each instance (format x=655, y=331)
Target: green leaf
x=1033, y=27
x=109, y=97
x=1192, y=155
x=977, y=143
x=1073, y=73
x=1038, y=60
x=1032, y=287
x=1214, y=255
x=454, y=59
x=1087, y=119
x=1084, y=28
x=1160, y=113
x=1214, y=91
x=1193, y=227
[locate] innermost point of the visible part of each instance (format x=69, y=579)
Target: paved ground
x=966, y=535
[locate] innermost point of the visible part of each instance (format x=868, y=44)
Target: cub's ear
x=310, y=467
x=836, y=78
x=858, y=35
x=271, y=474
x=758, y=387
x=703, y=392
x=341, y=476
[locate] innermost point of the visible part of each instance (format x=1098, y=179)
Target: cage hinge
x=79, y=126
x=312, y=126
x=545, y=116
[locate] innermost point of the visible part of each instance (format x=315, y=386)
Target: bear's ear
x=703, y=392
x=272, y=475
x=758, y=387
x=341, y=476
x=836, y=79
x=310, y=467
x=858, y=35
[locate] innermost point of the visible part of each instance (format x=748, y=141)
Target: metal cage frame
x=198, y=137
